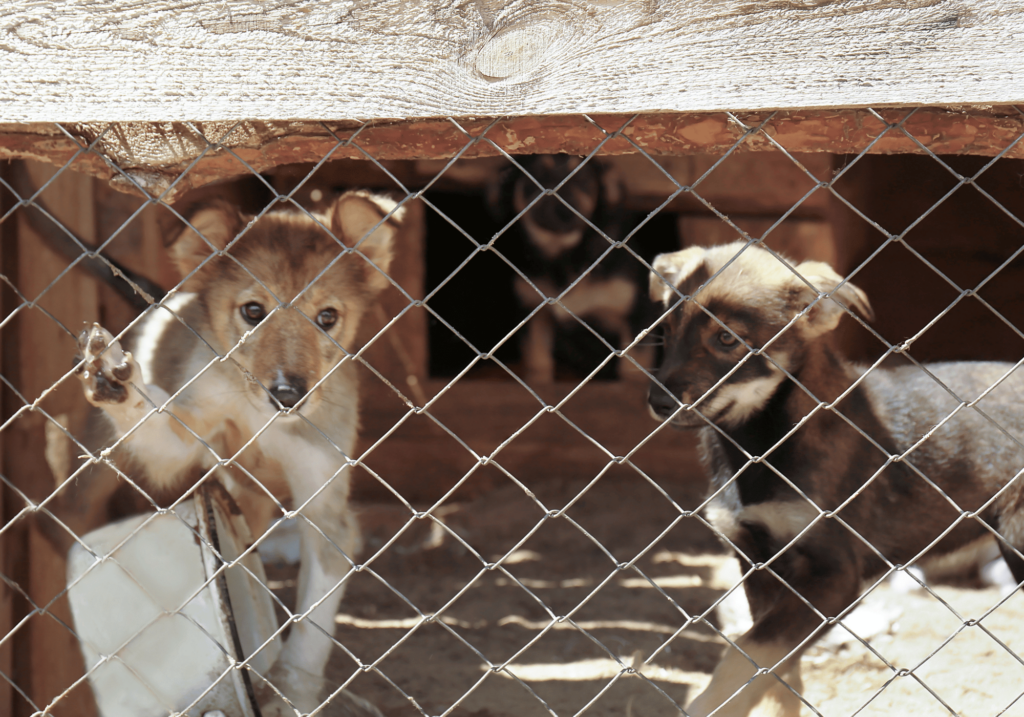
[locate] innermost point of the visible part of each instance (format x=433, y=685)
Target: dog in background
x=815, y=496
x=253, y=352
x=554, y=246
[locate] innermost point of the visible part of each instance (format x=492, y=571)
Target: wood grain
x=8, y=553
x=303, y=59
x=53, y=657
x=598, y=409
x=173, y=158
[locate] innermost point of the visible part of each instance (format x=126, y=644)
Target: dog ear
x=358, y=219
x=218, y=223
x=826, y=313
x=674, y=268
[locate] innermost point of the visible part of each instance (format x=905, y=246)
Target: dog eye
x=253, y=312
x=726, y=339
x=327, y=318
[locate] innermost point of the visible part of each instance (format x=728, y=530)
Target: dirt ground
x=623, y=611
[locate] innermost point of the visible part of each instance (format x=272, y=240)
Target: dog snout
x=289, y=391
x=662, y=402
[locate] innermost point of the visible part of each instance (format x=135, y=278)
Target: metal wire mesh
x=498, y=587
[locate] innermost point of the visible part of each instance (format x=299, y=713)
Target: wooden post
x=49, y=656
x=7, y=557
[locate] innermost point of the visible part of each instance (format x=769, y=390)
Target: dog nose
x=289, y=392
x=662, y=402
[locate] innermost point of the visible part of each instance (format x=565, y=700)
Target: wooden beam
x=177, y=157
x=302, y=59
x=597, y=409
x=8, y=554
x=52, y=662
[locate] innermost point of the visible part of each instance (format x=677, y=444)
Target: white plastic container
x=157, y=634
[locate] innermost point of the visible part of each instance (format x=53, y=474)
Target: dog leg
x=734, y=671
x=113, y=382
x=539, y=349
x=1014, y=561
x=780, y=700
x=328, y=533
x=821, y=569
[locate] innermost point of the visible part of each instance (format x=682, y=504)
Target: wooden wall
x=44, y=647
x=10, y=539
x=38, y=342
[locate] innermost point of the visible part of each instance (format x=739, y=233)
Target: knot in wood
x=515, y=50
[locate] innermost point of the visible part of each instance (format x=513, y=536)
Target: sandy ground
x=643, y=616
x=964, y=667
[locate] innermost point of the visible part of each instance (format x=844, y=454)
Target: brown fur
x=275, y=392
x=750, y=358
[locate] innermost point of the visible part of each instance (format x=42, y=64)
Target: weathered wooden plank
x=596, y=409
x=744, y=184
x=7, y=700
x=285, y=59
x=400, y=355
x=53, y=658
x=798, y=239
x=157, y=154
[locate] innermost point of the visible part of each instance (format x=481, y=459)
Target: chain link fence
x=532, y=541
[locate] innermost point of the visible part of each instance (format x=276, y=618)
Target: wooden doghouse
x=187, y=99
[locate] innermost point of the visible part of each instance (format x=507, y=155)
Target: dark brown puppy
x=824, y=474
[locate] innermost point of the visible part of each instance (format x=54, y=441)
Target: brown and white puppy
x=251, y=362
x=823, y=474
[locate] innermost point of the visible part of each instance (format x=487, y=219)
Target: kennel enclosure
x=725, y=117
